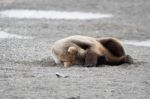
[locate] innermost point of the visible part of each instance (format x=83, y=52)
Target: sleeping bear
x=89, y=51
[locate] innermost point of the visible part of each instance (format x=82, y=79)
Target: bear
x=89, y=51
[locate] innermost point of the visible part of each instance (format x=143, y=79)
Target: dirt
x=27, y=70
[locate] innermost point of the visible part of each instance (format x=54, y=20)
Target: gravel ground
x=28, y=72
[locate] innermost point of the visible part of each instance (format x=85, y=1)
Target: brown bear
x=89, y=51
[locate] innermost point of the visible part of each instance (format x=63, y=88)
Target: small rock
x=61, y=75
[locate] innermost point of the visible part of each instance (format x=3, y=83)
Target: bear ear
x=72, y=50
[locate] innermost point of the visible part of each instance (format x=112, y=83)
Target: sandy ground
x=27, y=70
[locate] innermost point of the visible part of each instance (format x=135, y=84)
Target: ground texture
x=27, y=70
